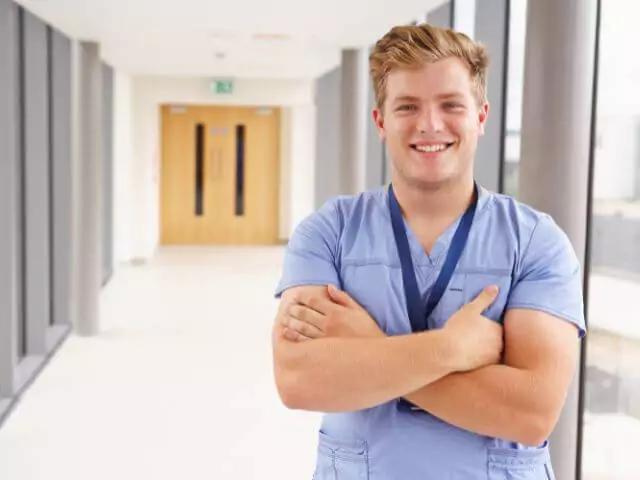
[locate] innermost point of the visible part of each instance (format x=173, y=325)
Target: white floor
x=179, y=386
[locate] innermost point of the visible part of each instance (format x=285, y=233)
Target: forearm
x=336, y=374
x=497, y=401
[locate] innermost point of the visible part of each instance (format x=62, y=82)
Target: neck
x=433, y=204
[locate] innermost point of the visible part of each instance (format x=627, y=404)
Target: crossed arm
x=519, y=400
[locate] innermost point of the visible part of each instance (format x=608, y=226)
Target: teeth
x=431, y=148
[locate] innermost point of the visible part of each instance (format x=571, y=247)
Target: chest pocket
x=379, y=289
x=466, y=285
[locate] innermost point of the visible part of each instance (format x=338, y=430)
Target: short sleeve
x=549, y=278
x=312, y=251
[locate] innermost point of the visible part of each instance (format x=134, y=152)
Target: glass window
x=612, y=392
x=515, y=86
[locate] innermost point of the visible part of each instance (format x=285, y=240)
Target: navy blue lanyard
x=417, y=315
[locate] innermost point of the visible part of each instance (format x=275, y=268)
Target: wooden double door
x=220, y=175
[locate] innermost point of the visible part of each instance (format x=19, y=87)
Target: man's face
x=431, y=122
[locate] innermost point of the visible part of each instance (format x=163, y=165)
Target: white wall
x=148, y=93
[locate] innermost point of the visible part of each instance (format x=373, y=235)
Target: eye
x=453, y=106
x=406, y=108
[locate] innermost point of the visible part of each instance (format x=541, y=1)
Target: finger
x=314, y=301
x=294, y=336
x=307, y=315
x=340, y=297
x=303, y=328
x=484, y=300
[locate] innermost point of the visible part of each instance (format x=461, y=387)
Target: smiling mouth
x=432, y=148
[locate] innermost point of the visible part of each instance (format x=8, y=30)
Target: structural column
x=376, y=170
x=344, y=140
x=9, y=193
x=88, y=202
x=556, y=138
x=107, y=173
x=353, y=102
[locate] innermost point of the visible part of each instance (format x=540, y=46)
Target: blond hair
x=413, y=46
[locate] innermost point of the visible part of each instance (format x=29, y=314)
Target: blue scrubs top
x=349, y=242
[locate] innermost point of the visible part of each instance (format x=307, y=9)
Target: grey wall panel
x=328, y=136
x=491, y=30
x=61, y=195
x=37, y=244
x=107, y=175
x=441, y=16
x=8, y=194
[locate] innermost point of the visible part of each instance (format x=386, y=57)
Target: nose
x=429, y=121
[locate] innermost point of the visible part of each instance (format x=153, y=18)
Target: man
x=435, y=323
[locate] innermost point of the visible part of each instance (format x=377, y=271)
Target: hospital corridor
x=169, y=168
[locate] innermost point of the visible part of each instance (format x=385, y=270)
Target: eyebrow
x=442, y=96
x=405, y=98
x=450, y=95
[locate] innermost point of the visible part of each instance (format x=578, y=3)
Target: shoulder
x=353, y=207
x=341, y=213
x=512, y=211
x=528, y=224
x=314, y=251
x=541, y=244
x=531, y=238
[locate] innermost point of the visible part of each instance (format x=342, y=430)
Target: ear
x=378, y=119
x=483, y=113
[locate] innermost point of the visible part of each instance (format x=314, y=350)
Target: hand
x=477, y=340
x=337, y=315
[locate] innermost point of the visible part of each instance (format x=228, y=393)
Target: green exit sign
x=223, y=86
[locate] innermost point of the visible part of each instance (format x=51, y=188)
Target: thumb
x=339, y=296
x=484, y=300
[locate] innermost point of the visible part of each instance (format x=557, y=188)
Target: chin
x=435, y=178
x=429, y=182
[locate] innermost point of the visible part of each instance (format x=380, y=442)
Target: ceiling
x=237, y=38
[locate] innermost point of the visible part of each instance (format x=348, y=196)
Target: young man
x=448, y=346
